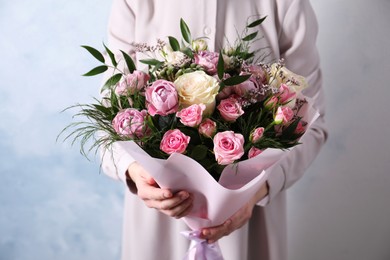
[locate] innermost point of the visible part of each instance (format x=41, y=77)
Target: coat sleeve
x=297, y=43
x=115, y=161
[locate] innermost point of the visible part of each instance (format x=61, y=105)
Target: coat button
x=207, y=30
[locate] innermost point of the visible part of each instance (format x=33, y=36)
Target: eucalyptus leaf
x=185, y=31
x=112, y=55
x=95, y=53
x=111, y=81
x=187, y=51
x=96, y=71
x=250, y=37
x=257, y=22
x=175, y=45
x=236, y=80
x=152, y=62
x=129, y=62
x=249, y=55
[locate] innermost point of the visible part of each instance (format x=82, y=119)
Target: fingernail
x=205, y=232
x=167, y=195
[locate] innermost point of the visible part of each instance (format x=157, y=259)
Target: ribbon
x=199, y=248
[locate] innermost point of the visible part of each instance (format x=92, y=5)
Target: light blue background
x=55, y=205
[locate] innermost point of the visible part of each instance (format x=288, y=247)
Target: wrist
x=131, y=171
x=261, y=193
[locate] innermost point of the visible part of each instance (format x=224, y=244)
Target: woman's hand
x=212, y=234
x=175, y=205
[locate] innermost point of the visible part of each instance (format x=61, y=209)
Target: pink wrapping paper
x=237, y=184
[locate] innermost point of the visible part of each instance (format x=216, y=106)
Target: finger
x=186, y=210
x=140, y=174
x=175, y=201
x=214, y=233
x=181, y=210
x=148, y=192
x=169, y=203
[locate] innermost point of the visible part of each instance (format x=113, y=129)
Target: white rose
x=173, y=57
x=199, y=45
x=197, y=88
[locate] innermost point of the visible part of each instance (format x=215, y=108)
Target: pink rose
x=162, y=98
x=254, y=84
x=228, y=147
x=208, y=60
x=271, y=102
x=192, y=115
x=230, y=109
x=208, y=128
x=245, y=88
x=254, y=152
x=174, y=141
x=257, y=134
x=283, y=115
x=225, y=92
x=285, y=94
x=132, y=82
x=258, y=74
x=131, y=123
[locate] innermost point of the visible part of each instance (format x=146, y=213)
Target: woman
x=254, y=232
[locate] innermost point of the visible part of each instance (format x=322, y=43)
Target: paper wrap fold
x=237, y=184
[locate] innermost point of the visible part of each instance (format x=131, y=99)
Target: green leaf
x=102, y=109
x=165, y=122
x=289, y=131
x=220, y=66
x=112, y=56
x=257, y=22
x=185, y=31
x=199, y=152
x=151, y=125
x=248, y=55
x=96, y=71
x=129, y=62
x=114, y=101
x=236, y=80
x=192, y=133
x=152, y=62
x=111, y=81
x=249, y=37
x=95, y=53
x=174, y=43
x=221, y=86
x=187, y=51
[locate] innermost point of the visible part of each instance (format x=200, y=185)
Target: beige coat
x=289, y=32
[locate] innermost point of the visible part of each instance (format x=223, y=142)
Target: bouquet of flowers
x=213, y=111
x=215, y=107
